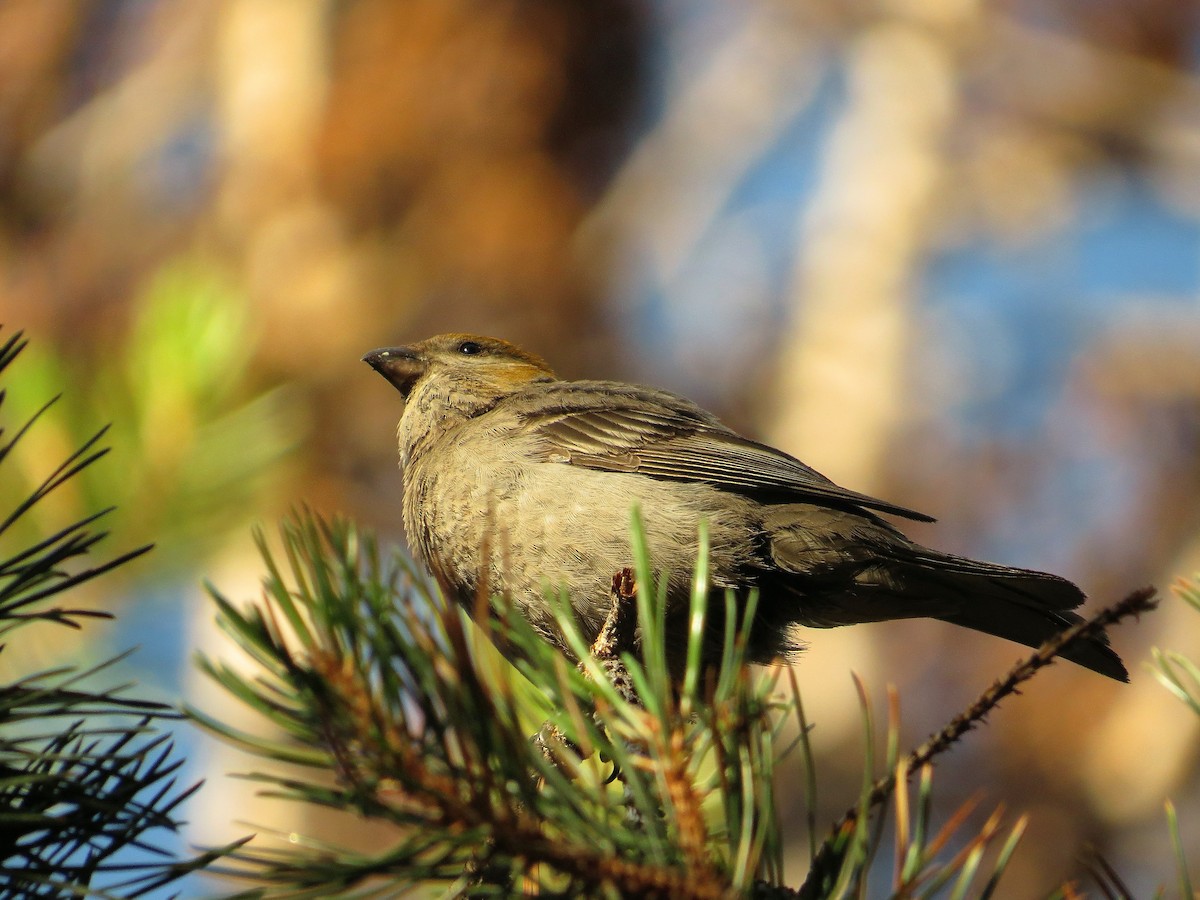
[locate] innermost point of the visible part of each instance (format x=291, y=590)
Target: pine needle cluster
x=539, y=775
x=87, y=773
x=520, y=772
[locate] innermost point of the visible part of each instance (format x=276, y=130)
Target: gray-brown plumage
x=519, y=482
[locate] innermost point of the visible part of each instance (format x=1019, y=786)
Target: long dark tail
x=831, y=568
x=1018, y=604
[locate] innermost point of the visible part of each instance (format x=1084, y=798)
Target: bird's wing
x=625, y=429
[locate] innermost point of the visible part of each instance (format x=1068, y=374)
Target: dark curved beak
x=401, y=366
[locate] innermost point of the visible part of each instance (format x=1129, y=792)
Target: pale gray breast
x=541, y=525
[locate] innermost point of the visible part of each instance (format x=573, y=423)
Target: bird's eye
x=470, y=348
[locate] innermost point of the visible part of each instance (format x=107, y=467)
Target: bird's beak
x=402, y=366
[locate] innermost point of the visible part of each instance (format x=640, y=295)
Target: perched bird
x=518, y=482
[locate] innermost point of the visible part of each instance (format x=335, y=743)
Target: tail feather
x=1038, y=589
x=1028, y=627
x=831, y=568
x=1019, y=605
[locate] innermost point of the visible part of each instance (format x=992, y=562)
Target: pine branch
x=372, y=676
x=828, y=860
x=73, y=798
x=368, y=674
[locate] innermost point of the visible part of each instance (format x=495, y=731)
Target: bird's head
x=461, y=370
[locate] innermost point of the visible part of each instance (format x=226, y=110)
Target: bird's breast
x=522, y=526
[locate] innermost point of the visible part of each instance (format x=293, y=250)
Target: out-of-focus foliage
x=1176, y=670
x=200, y=449
x=87, y=774
x=1180, y=674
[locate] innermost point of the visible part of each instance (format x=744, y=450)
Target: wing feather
x=620, y=428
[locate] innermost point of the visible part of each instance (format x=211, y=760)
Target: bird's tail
x=837, y=569
x=1018, y=604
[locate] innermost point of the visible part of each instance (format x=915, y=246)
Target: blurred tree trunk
x=839, y=392
x=838, y=395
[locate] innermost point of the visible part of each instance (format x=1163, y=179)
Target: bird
x=517, y=482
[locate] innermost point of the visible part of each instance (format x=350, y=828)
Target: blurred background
x=946, y=252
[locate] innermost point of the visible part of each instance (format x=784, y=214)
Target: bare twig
x=1138, y=602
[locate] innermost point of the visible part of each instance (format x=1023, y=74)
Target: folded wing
x=654, y=433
